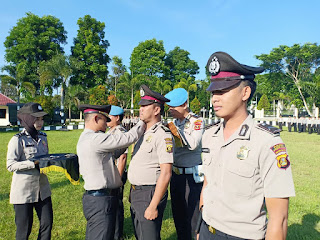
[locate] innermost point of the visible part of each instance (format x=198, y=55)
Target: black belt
x=103, y=192
x=142, y=187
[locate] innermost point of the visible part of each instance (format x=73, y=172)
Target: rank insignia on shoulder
x=165, y=128
x=269, y=128
x=197, y=124
x=205, y=150
x=283, y=161
x=278, y=148
x=20, y=134
x=243, y=153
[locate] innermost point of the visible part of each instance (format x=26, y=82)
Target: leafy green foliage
x=90, y=49
x=180, y=65
x=148, y=59
x=297, y=62
x=112, y=100
x=98, y=95
x=32, y=40
x=263, y=103
x=195, y=105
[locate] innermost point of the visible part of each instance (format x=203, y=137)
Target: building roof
x=4, y=100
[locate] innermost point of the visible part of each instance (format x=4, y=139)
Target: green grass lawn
x=69, y=222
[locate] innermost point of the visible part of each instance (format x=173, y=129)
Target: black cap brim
x=221, y=85
x=38, y=114
x=145, y=102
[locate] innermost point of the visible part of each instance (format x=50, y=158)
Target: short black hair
x=252, y=85
x=121, y=117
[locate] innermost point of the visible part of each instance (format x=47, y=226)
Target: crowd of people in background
x=301, y=124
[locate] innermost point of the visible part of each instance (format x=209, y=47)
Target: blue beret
x=115, y=111
x=177, y=97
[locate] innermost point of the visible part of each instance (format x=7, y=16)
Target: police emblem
x=243, y=153
x=214, y=66
x=169, y=145
x=283, y=161
x=149, y=139
x=197, y=124
x=142, y=92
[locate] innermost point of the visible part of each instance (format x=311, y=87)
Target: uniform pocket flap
x=243, y=169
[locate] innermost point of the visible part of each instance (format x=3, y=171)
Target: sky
x=242, y=28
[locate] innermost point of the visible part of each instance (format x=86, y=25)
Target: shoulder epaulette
x=20, y=134
x=42, y=133
x=194, y=115
x=269, y=128
x=165, y=128
x=211, y=125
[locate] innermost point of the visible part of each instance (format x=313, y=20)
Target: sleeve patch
x=278, y=148
x=283, y=161
x=197, y=124
x=169, y=145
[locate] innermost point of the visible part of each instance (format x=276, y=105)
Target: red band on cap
x=151, y=98
x=225, y=75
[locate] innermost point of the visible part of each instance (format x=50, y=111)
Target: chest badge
x=187, y=125
x=149, y=139
x=243, y=153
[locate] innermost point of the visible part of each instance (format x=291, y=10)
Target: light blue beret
x=115, y=111
x=177, y=97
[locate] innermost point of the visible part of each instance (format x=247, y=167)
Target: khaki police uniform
x=155, y=147
x=102, y=179
x=29, y=187
x=120, y=211
x=253, y=164
x=186, y=184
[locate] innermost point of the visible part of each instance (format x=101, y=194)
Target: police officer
x=101, y=177
x=116, y=116
x=186, y=181
x=244, y=162
x=150, y=168
x=289, y=123
x=30, y=188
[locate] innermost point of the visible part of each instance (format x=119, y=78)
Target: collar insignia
x=244, y=130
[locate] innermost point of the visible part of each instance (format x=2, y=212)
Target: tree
x=297, y=62
x=57, y=72
x=195, y=105
x=17, y=78
x=263, y=103
x=90, y=49
x=188, y=84
x=118, y=69
x=128, y=85
x=98, y=95
x=180, y=65
x=32, y=40
x=148, y=59
x=73, y=96
x=112, y=100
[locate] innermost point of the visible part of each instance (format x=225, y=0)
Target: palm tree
x=16, y=78
x=129, y=85
x=57, y=71
x=188, y=84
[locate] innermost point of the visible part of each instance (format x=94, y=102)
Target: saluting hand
x=151, y=213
